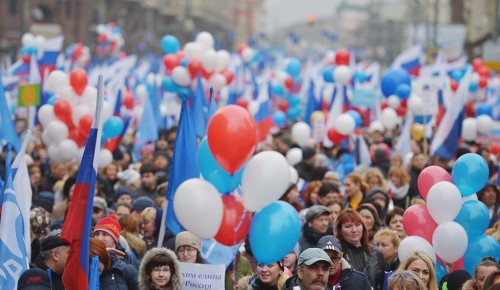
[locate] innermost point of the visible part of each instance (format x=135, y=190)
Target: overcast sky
x=282, y=13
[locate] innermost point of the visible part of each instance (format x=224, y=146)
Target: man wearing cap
x=34, y=279
x=316, y=226
x=341, y=275
x=312, y=272
x=53, y=256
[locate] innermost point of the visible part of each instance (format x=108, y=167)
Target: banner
x=202, y=276
x=28, y=95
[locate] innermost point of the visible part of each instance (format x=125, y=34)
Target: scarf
x=398, y=193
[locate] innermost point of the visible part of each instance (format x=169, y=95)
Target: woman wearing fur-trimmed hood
x=159, y=270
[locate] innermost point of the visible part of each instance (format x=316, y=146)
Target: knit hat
x=120, y=191
x=44, y=200
x=141, y=203
x=457, y=278
x=307, y=153
x=39, y=220
x=187, y=239
x=34, y=279
x=100, y=203
x=109, y=225
x=128, y=176
x=315, y=211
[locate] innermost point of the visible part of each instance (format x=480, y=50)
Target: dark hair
x=148, y=168
x=327, y=188
x=487, y=262
x=490, y=279
x=394, y=212
x=158, y=261
x=67, y=186
x=350, y=215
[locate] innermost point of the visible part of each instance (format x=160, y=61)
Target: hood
x=135, y=243
x=345, y=264
x=144, y=278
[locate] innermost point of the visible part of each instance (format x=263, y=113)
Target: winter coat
x=373, y=265
x=121, y=276
x=243, y=269
x=175, y=278
x=136, y=244
x=57, y=283
x=309, y=238
x=351, y=279
x=295, y=281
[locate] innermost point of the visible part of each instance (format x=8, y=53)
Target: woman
x=421, y=265
x=291, y=196
x=369, y=213
x=130, y=231
x=150, y=228
x=188, y=248
x=363, y=257
x=335, y=206
x=270, y=276
x=388, y=242
x=374, y=178
x=492, y=279
x=483, y=269
x=405, y=280
x=394, y=220
x=310, y=195
x=160, y=270
x=355, y=190
x=399, y=184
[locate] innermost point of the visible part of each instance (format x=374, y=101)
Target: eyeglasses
x=335, y=258
x=186, y=249
x=165, y=269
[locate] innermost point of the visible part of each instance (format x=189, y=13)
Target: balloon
x=293, y=67
x=301, y=132
x=342, y=74
x=484, y=109
x=198, y=207
x=67, y=150
x=217, y=81
x=446, y=232
x=265, y=179
x=171, y=61
x=85, y=123
x=213, y=172
x=288, y=83
x=242, y=102
x=229, y=75
x=247, y=54
x=113, y=127
x=417, y=132
x=235, y=221
x=168, y=85
x=392, y=78
x=57, y=131
x=78, y=80
x=469, y=129
x=170, y=44
x=222, y=60
x=342, y=57
x=294, y=156
x=393, y=102
x=470, y=173
x=232, y=137
x=78, y=112
x=206, y=39
x=477, y=249
x=444, y=202
x=335, y=136
x=194, y=67
x=328, y=74
x=357, y=118
x=376, y=126
x=279, y=118
x=474, y=217
x=414, y=243
x=430, y=176
x=194, y=50
x=417, y=221
x=209, y=60
x=403, y=91
x=484, y=124
x=345, y=124
x=181, y=76
x=62, y=110
x=281, y=237
x=389, y=118
x=105, y=158
x=46, y=115
x=58, y=80
x=415, y=104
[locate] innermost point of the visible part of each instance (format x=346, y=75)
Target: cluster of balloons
x=344, y=125
x=451, y=227
x=109, y=40
x=31, y=46
x=196, y=58
x=339, y=59
x=247, y=53
x=285, y=86
x=211, y=208
x=78, y=54
x=68, y=116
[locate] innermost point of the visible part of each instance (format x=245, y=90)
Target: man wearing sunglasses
x=341, y=275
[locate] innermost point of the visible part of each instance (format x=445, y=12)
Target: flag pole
x=163, y=228
x=425, y=145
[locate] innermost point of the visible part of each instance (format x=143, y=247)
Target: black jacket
x=372, y=266
x=351, y=279
x=57, y=282
x=121, y=276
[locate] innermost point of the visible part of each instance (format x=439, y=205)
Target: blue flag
x=312, y=104
x=184, y=164
x=8, y=131
x=198, y=109
x=148, y=129
x=213, y=105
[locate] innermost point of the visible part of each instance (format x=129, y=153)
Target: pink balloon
x=417, y=221
x=430, y=176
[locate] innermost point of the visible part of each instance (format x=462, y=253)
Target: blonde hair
x=375, y=172
x=432, y=284
x=399, y=172
x=405, y=280
x=388, y=233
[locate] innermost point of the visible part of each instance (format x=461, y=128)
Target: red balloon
x=342, y=57
x=454, y=85
x=26, y=58
x=180, y=54
x=477, y=63
x=194, y=67
x=232, y=137
x=229, y=75
x=288, y=82
x=401, y=111
x=241, y=47
x=484, y=71
x=78, y=80
x=417, y=221
x=128, y=100
x=235, y=221
x=77, y=136
x=384, y=104
x=430, y=176
x=483, y=82
x=495, y=148
x=62, y=110
x=282, y=104
x=242, y=102
x=335, y=136
x=205, y=74
x=469, y=109
x=458, y=265
x=85, y=123
x=170, y=61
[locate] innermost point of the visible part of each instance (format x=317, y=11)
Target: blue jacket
x=120, y=276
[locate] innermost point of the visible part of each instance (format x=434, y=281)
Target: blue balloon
x=484, y=109
x=392, y=78
x=168, y=84
x=420, y=119
x=184, y=62
x=403, y=91
x=478, y=248
x=294, y=101
x=279, y=223
x=184, y=93
x=473, y=86
x=441, y=270
x=328, y=74
x=470, y=173
x=457, y=74
x=278, y=90
x=293, y=67
x=113, y=127
x=52, y=100
x=293, y=113
x=279, y=118
x=474, y=217
x=360, y=76
x=170, y=44
x=213, y=172
x=357, y=118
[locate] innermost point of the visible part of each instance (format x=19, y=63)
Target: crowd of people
x=352, y=224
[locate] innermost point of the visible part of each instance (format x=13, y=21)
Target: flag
x=409, y=60
x=263, y=118
x=446, y=140
x=198, y=107
x=337, y=105
x=216, y=253
x=403, y=146
x=184, y=164
x=94, y=274
x=28, y=95
x=361, y=153
x=148, y=129
x=77, y=225
x=312, y=103
x=13, y=255
x=8, y=132
x=52, y=47
x=22, y=187
x=213, y=105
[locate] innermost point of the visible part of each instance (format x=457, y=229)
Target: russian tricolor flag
x=263, y=117
x=410, y=60
x=77, y=226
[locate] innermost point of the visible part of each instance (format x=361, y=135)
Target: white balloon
x=105, y=158
x=107, y=111
x=450, y=241
x=247, y=54
x=393, y=101
x=141, y=92
x=57, y=81
x=70, y=95
x=415, y=243
x=57, y=131
x=89, y=98
x=217, y=81
x=193, y=50
x=28, y=39
x=389, y=118
x=265, y=179
x=46, y=115
x=294, y=175
x=253, y=106
x=53, y=153
x=181, y=76
x=209, y=60
x=484, y=124
x=342, y=74
x=301, y=132
x=46, y=139
x=345, y=124
x=198, y=207
x=294, y=156
x=469, y=129
x=206, y=39
x=376, y=126
x=444, y=201
x=78, y=112
x=222, y=60
x=68, y=150
x=415, y=105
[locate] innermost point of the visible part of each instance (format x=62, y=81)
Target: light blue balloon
x=168, y=84
x=294, y=101
x=328, y=74
x=357, y=118
x=470, y=173
x=473, y=86
x=213, y=172
x=170, y=44
x=274, y=231
x=474, y=217
x=278, y=90
x=480, y=247
x=484, y=109
x=293, y=113
x=113, y=127
x=52, y=100
x=279, y=118
x=441, y=270
x=293, y=67
x=457, y=74
x=184, y=93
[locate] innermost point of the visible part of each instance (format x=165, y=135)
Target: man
x=316, y=226
x=148, y=182
x=139, y=205
x=53, y=256
x=307, y=165
x=122, y=208
x=341, y=275
x=312, y=272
